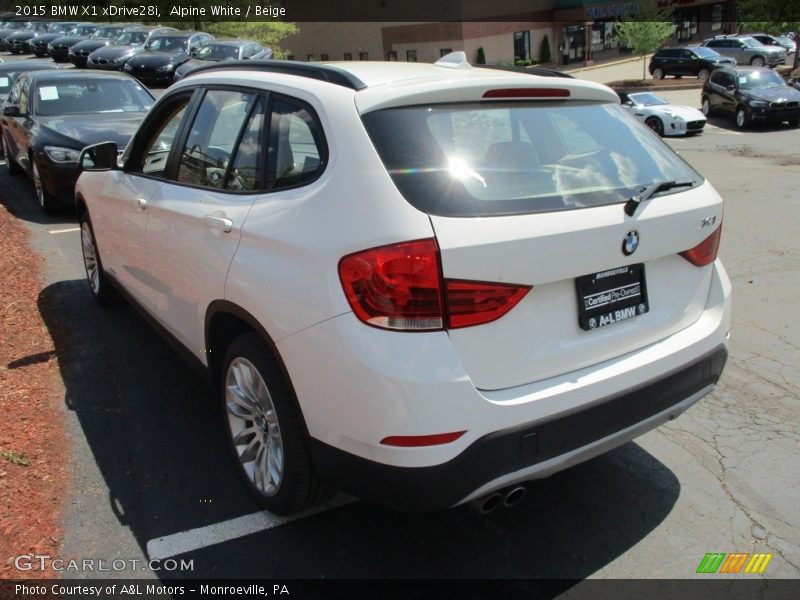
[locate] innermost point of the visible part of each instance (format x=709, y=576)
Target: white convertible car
x=661, y=116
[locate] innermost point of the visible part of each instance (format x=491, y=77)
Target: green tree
x=644, y=33
x=544, y=51
x=771, y=16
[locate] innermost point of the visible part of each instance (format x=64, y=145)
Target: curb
x=655, y=90
x=602, y=65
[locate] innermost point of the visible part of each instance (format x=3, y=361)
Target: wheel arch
x=224, y=322
x=80, y=204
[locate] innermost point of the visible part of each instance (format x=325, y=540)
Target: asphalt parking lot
x=152, y=478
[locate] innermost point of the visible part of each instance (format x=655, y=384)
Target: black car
x=50, y=116
x=10, y=70
x=163, y=54
x=17, y=41
x=59, y=47
x=751, y=94
x=9, y=27
x=38, y=45
x=224, y=50
x=696, y=61
x=129, y=43
x=79, y=53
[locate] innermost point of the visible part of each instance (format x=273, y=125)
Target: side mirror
x=11, y=111
x=193, y=52
x=627, y=103
x=99, y=157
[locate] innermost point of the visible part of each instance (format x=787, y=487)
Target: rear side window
x=514, y=158
x=296, y=148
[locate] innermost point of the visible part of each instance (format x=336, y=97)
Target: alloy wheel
x=254, y=426
x=38, y=186
x=90, y=257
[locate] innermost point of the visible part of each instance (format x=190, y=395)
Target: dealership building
x=577, y=31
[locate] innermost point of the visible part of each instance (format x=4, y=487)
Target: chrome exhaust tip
x=514, y=496
x=488, y=503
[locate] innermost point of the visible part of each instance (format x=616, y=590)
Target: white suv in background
x=420, y=284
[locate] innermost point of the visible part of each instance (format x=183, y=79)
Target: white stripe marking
x=210, y=535
x=69, y=230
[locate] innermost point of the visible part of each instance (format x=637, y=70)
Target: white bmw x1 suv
x=415, y=283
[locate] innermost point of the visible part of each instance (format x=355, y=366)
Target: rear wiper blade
x=648, y=191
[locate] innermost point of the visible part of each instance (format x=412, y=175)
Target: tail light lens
x=401, y=287
x=705, y=252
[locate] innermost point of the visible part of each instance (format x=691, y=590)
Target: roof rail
x=327, y=73
x=528, y=71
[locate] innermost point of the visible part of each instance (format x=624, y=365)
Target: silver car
x=747, y=50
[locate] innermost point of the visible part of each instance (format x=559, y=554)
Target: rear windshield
x=481, y=159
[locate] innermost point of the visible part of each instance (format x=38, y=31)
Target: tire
x=11, y=164
x=757, y=61
x=264, y=427
x=742, y=118
x=46, y=202
x=656, y=125
x=658, y=73
x=703, y=74
x=103, y=292
x=706, y=107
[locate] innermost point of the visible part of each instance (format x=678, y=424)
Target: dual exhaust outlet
x=508, y=498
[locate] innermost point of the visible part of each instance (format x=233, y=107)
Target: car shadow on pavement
x=18, y=196
x=155, y=434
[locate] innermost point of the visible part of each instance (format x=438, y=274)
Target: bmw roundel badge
x=630, y=243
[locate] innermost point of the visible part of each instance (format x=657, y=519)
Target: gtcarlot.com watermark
x=43, y=562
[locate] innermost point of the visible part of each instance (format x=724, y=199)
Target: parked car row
x=757, y=49
x=160, y=51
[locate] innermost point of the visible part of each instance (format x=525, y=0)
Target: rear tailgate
x=541, y=337
x=525, y=183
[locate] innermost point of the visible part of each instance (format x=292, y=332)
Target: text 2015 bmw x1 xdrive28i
x=416, y=283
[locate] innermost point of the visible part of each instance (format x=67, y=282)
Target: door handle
x=221, y=223
x=141, y=203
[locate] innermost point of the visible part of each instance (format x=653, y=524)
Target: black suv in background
x=751, y=94
x=696, y=61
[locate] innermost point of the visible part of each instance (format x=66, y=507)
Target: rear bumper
x=529, y=451
x=357, y=385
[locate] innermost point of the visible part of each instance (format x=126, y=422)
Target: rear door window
x=210, y=144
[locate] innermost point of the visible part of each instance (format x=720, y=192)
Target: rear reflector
x=527, y=93
x=705, y=252
x=415, y=441
x=401, y=287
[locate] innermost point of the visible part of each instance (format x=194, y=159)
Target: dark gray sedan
x=224, y=50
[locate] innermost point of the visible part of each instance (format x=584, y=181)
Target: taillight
x=706, y=251
x=400, y=287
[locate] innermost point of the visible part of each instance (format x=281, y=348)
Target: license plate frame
x=611, y=296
